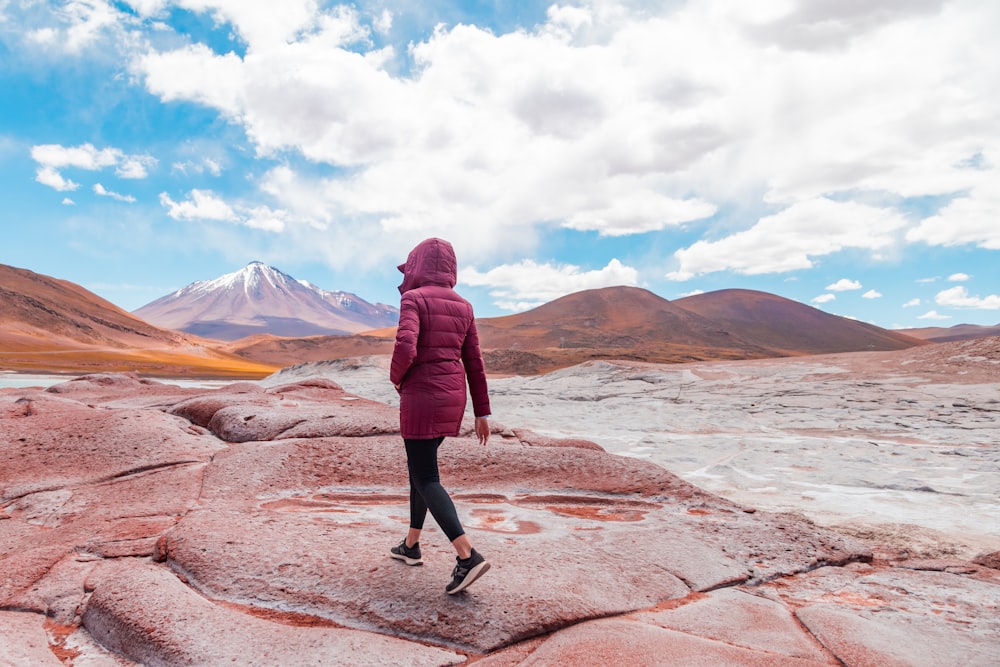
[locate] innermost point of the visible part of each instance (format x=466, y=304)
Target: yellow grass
x=156, y=363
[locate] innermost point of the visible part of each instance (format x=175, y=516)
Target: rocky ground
x=147, y=523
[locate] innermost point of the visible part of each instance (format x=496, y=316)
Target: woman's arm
x=405, y=350
x=475, y=370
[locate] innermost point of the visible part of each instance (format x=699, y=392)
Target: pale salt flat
x=11, y=380
x=905, y=459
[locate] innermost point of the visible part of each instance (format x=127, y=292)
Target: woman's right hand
x=482, y=430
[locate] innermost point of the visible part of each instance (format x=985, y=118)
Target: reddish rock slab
x=16, y=403
x=200, y=409
x=121, y=390
x=23, y=641
x=564, y=482
x=147, y=614
x=336, y=565
x=740, y=618
x=60, y=594
x=99, y=475
x=893, y=616
x=526, y=437
x=77, y=478
x=890, y=638
x=311, y=409
x=306, y=525
x=27, y=553
x=633, y=643
x=988, y=560
x=59, y=445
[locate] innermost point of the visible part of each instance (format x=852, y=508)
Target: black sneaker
x=409, y=555
x=466, y=572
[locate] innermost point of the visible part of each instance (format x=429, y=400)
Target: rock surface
x=899, y=448
x=145, y=523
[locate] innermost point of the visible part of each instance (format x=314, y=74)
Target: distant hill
x=788, y=327
x=291, y=351
x=613, y=322
x=955, y=333
x=259, y=299
x=627, y=323
x=51, y=324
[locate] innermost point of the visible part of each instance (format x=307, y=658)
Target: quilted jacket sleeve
x=404, y=352
x=475, y=369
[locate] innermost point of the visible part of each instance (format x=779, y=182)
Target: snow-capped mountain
x=261, y=299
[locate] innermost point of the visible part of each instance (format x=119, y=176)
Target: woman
x=437, y=347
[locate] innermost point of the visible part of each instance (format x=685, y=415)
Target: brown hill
x=789, y=327
x=609, y=323
x=624, y=323
x=282, y=352
x=613, y=322
x=48, y=324
x=955, y=333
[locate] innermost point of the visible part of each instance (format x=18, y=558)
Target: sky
x=841, y=153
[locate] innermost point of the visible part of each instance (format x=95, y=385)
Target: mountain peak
x=259, y=298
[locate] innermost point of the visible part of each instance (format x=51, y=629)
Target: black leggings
x=426, y=492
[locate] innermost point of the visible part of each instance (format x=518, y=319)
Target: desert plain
x=824, y=510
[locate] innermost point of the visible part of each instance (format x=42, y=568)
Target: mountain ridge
x=790, y=327
x=55, y=325
x=623, y=323
x=260, y=299
x=44, y=322
x=953, y=333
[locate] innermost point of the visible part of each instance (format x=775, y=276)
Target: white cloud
x=646, y=212
x=958, y=297
x=527, y=284
x=789, y=240
x=844, y=285
x=825, y=298
x=198, y=167
x=932, y=279
x=383, y=22
x=84, y=156
x=959, y=277
x=933, y=315
x=618, y=119
x=202, y=205
x=196, y=74
x=207, y=205
x=262, y=217
x=135, y=166
x=972, y=217
x=52, y=178
x=212, y=166
x=53, y=157
x=872, y=294
x=77, y=25
x=911, y=303
x=103, y=192
x=263, y=24
x=68, y=202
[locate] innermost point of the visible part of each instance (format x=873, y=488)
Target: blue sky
x=842, y=154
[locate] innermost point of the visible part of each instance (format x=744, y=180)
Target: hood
x=432, y=262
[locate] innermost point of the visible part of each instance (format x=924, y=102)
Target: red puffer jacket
x=437, y=346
